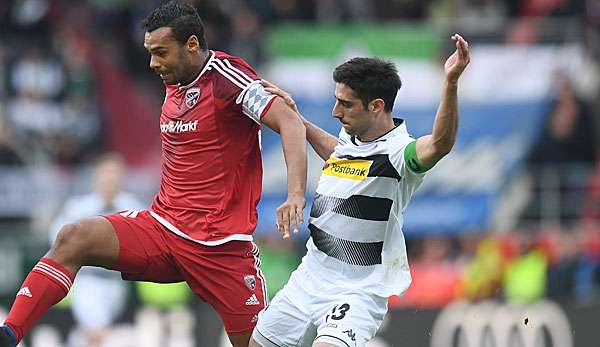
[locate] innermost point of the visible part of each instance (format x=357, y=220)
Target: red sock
x=47, y=284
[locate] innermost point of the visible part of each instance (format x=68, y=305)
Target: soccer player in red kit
x=199, y=227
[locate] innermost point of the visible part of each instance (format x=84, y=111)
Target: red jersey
x=211, y=162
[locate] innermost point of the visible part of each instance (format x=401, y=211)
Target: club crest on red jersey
x=192, y=96
x=250, y=281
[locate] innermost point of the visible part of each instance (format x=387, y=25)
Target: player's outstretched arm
x=431, y=148
x=282, y=119
x=321, y=141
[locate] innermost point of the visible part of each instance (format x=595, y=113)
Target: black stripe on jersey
x=351, y=252
x=381, y=167
x=356, y=206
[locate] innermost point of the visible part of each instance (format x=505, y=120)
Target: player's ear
x=376, y=105
x=193, y=44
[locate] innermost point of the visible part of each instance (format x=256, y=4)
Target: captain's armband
x=412, y=161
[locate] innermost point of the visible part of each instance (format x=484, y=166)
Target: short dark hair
x=183, y=19
x=108, y=157
x=370, y=78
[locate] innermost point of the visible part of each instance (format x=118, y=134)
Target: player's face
x=168, y=58
x=350, y=111
x=108, y=179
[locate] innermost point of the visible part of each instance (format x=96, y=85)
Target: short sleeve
x=411, y=180
x=247, y=91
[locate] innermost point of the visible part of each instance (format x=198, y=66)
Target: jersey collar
x=211, y=56
x=399, y=128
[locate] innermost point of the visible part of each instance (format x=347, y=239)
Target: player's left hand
x=273, y=89
x=289, y=215
x=458, y=61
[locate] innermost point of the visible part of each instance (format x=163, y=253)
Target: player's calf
x=89, y=242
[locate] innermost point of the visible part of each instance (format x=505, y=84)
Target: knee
x=71, y=240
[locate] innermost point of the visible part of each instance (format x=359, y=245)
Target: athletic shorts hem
x=265, y=341
x=332, y=340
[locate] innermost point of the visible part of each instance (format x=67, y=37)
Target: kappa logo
x=192, y=96
x=350, y=334
x=346, y=168
x=252, y=301
x=25, y=292
x=250, y=281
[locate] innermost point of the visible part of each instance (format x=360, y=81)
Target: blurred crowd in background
x=57, y=58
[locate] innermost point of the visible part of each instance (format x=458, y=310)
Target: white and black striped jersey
x=357, y=214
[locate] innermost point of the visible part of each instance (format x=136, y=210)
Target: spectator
x=81, y=121
x=15, y=184
x=586, y=286
x=9, y=154
x=561, y=252
x=483, y=273
x=569, y=134
x=35, y=74
x=99, y=296
x=525, y=276
x=217, y=24
x=436, y=276
x=37, y=81
x=248, y=38
x=407, y=9
x=292, y=10
x=566, y=149
x=332, y=11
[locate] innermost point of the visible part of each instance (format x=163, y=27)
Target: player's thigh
x=90, y=241
x=240, y=339
x=226, y=276
x=350, y=320
x=253, y=343
x=143, y=251
x=287, y=321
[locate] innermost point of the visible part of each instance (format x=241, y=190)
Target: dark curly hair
x=183, y=19
x=370, y=78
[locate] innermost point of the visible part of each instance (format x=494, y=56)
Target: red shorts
x=226, y=276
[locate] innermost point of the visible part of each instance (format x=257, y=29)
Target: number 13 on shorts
x=338, y=312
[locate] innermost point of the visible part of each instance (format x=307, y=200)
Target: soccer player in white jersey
x=356, y=254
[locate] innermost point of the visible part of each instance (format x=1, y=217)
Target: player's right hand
x=458, y=61
x=290, y=215
x=273, y=89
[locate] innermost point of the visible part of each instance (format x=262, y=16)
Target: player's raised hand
x=271, y=88
x=458, y=61
x=290, y=215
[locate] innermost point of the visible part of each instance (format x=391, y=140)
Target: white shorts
x=306, y=311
